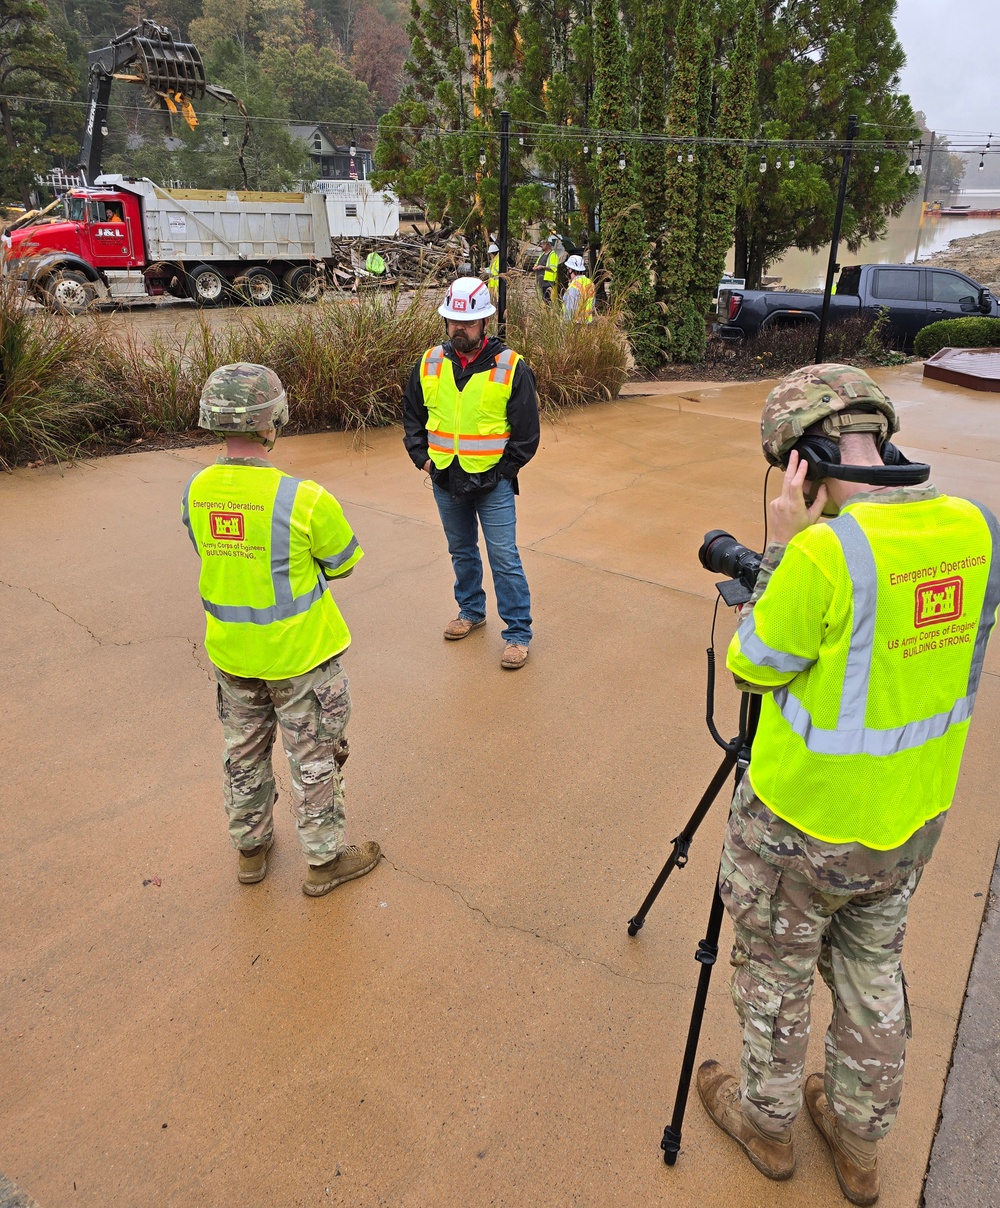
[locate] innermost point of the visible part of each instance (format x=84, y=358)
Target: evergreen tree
x=652, y=156
x=623, y=239
x=821, y=60
x=676, y=250
x=723, y=166
x=32, y=63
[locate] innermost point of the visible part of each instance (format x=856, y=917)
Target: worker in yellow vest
x=470, y=420
x=268, y=544
x=866, y=638
x=578, y=300
x=493, y=281
x=547, y=268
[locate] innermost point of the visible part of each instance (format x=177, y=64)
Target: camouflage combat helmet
x=243, y=398
x=822, y=394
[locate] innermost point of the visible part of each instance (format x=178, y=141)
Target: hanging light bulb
x=989, y=140
x=621, y=162
x=909, y=146
x=680, y=158
x=878, y=167
x=982, y=163
x=763, y=164
x=777, y=164
x=520, y=140
x=791, y=161
x=910, y=168
x=225, y=133
x=918, y=167
x=104, y=127
x=599, y=150
x=586, y=149
x=690, y=157
x=482, y=157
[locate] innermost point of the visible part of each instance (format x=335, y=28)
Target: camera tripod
x=737, y=757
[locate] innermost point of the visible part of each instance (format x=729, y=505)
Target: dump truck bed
x=195, y=225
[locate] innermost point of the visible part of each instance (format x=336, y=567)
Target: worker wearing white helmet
x=470, y=420
x=494, y=277
x=578, y=301
x=547, y=267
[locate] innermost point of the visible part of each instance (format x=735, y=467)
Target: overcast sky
x=952, y=55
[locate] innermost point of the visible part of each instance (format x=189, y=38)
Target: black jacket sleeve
x=415, y=420
x=522, y=415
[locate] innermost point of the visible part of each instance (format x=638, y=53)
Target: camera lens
x=723, y=554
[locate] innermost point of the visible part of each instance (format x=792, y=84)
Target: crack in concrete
x=545, y=939
x=31, y=592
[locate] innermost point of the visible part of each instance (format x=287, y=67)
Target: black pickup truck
x=914, y=296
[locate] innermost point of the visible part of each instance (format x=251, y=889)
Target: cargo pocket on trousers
x=758, y=1004
x=747, y=888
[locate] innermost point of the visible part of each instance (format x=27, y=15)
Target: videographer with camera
x=866, y=637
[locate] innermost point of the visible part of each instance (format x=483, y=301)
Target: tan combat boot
x=253, y=863
x=514, y=657
x=351, y=863
x=854, y=1159
x=720, y=1093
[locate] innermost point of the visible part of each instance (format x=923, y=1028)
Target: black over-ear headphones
x=822, y=455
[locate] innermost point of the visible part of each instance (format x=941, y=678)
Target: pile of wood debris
x=410, y=260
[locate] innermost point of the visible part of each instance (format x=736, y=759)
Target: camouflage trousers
x=313, y=711
x=786, y=927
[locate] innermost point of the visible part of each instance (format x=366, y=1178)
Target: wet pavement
x=470, y=1024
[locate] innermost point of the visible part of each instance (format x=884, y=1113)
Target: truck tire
x=207, y=286
x=302, y=284
x=258, y=286
x=68, y=292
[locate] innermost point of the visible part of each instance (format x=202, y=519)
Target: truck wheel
x=258, y=286
x=207, y=286
x=68, y=292
x=302, y=284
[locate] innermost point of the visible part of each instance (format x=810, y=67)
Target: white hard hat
x=575, y=264
x=552, y=239
x=492, y=248
x=468, y=300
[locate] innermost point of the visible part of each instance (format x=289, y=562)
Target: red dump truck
x=129, y=238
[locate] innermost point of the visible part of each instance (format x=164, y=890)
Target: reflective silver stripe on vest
x=761, y=655
x=504, y=365
x=482, y=446
x=864, y=583
x=338, y=560
x=186, y=513
x=434, y=360
x=869, y=742
x=851, y=737
x=285, y=605
x=990, y=603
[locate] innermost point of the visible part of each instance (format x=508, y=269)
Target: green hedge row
x=974, y=332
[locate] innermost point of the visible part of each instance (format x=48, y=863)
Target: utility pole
x=831, y=268
x=504, y=213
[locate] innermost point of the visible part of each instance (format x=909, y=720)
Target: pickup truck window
x=897, y=284
x=947, y=288
x=849, y=284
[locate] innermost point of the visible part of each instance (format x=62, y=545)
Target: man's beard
x=464, y=342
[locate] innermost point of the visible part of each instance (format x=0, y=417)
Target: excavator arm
x=149, y=55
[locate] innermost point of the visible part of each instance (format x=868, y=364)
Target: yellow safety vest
x=267, y=544
x=872, y=631
x=584, y=312
x=494, y=282
x=551, y=265
x=470, y=423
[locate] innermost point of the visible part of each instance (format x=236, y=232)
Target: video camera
x=722, y=554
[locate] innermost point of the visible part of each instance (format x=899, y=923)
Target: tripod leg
x=678, y=857
x=708, y=950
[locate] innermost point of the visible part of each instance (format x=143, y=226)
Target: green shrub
x=973, y=332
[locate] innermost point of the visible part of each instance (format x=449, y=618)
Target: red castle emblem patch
x=226, y=526
x=937, y=601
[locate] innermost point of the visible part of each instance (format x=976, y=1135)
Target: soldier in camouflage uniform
x=268, y=545
x=798, y=902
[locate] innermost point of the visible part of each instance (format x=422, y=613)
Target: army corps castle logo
x=226, y=526
x=937, y=601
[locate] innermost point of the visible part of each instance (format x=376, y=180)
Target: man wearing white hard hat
x=470, y=420
x=578, y=300
x=547, y=268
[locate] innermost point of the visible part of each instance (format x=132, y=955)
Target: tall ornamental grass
x=69, y=383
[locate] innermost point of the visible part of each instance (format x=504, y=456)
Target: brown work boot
x=855, y=1159
x=460, y=628
x=720, y=1093
x=513, y=657
x=353, y=862
x=253, y=863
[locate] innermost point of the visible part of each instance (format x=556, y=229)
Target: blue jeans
x=495, y=512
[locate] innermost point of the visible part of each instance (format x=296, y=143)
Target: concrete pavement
x=470, y=1025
